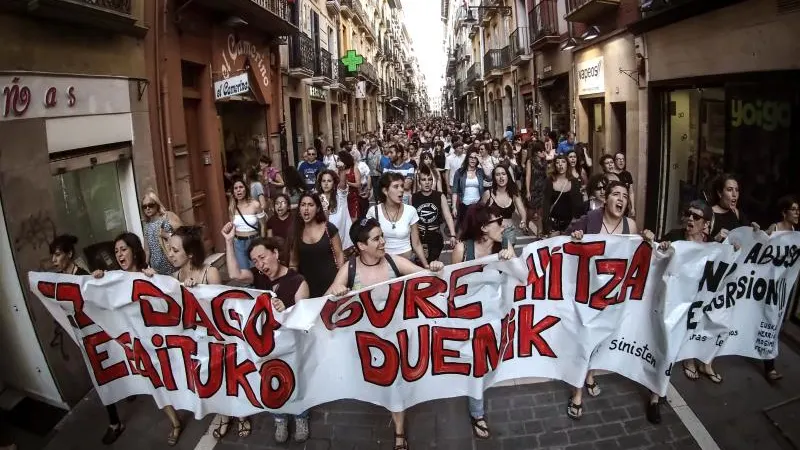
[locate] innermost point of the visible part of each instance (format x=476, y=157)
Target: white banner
x=560, y=309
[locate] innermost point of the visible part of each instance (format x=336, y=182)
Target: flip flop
x=713, y=376
x=690, y=373
x=593, y=389
x=478, y=430
x=574, y=410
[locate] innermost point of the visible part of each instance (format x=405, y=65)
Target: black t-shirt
x=429, y=208
x=80, y=271
x=626, y=178
x=285, y=287
x=316, y=262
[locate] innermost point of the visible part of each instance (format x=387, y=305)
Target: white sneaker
x=300, y=429
x=281, y=431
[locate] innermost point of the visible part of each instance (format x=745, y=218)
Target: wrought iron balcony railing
x=323, y=64
x=519, y=44
x=301, y=54
x=586, y=11
x=496, y=59
x=118, y=6
x=544, y=23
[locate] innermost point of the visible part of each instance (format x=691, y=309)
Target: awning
x=543, y=84
x=395, y=107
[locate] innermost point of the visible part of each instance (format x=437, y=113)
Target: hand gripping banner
x=561, y=308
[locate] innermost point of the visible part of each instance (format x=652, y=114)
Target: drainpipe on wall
x=164, y=112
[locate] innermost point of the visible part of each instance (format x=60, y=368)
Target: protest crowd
x=396, y=202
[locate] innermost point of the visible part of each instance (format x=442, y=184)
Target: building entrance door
x=197, y=163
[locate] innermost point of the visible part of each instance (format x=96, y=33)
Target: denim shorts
x=240, y=247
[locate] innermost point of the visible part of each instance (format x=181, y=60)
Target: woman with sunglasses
x=279, y=224
x=596, y=189
x=609, y=219
x=268, y=273
x=130, y=257
x=62, y=255
x=482, y=235
x=373, y=265
x=158, y=227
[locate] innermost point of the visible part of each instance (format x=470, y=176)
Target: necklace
x=615, y=228
x=368, y=265
x=394, y=217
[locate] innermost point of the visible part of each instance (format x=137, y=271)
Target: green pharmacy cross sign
x=352, y=60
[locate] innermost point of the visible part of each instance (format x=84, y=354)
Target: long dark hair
x=332, y=202
x=511, y=187
x=568, y=172
x=719, y=185
x=135, y=244
x=386, y=180
x=293, y=180
x=192, y=242
x=299, y=225
x=465, y=163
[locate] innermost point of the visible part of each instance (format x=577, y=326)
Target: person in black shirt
x=270, y=274
x=432, y=209
x=727, y=215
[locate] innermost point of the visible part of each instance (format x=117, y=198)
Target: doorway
x=294, y=116
x=197, y=170
x=620, y=128
x=595, y=110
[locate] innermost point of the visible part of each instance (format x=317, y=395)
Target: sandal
x=480, y=429
x=172, y=439
x=713, y=376
x=112, y=433
x=773, y=376
x=222, y=428
x=404, y=445
x=574, y=410
x=690, y=373
x=244, y=427
x=593, y=389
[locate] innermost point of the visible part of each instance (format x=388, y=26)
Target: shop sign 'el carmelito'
x=238, y=85
x=231, y=55
x=591, y=78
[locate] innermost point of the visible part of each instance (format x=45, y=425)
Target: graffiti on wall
x=35, y=232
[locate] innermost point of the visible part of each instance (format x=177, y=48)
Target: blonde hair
x=153, y=197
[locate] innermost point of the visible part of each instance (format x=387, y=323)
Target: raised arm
x=244, y=276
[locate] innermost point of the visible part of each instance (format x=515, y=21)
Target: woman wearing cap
x=372, y=265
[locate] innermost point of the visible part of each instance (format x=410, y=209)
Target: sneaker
x=112, y=433
x=654, y=413
x=300, y=429
x=281, y=431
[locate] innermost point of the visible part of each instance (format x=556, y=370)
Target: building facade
x=74, y=121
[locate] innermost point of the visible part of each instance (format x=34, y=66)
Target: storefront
x=553, y=90
x=606, y=104
x=71, y=146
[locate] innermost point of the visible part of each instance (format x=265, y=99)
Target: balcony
x=496, y=60
x=338, y=71
x=346, y=8
x=333, y=6
x=301, y=56
x=322, y=69
x=359, y=18
x=544, y=24
x=273, y=17
x=660, y=13
x=485, y=15
x=474, y=76
x=367, y=72
x=519, y=47
x=108, y=15
x=587, y=11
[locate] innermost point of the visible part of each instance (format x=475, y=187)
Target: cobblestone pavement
x=529, y=416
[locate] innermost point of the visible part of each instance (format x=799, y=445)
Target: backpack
x=351, y=269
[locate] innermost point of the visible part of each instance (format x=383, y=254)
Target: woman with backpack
x=372, y=265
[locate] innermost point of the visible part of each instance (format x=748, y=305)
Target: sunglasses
x=498, y=221
x=694, y=216
x=149, y=205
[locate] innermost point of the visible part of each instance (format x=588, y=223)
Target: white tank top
x=242, y=222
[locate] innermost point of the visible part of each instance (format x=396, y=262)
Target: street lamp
x=590, y=34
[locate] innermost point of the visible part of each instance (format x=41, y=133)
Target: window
x=89, y=206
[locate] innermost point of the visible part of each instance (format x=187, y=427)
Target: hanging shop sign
x=317, y=93
x=238, y=85
x=361, y=89
x=30, y=97
x=591, y=79
x=233, y=56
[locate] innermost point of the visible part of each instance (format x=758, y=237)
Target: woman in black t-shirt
x=727, y=215
x=315, y=247
x=62, y=255
x=270, y=274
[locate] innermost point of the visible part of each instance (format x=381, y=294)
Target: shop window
x=89, y=206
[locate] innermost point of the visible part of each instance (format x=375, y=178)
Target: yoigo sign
x=238, y=85
x=765, y=114
x=590, y=76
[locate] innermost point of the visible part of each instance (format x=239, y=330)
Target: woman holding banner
x=187, y=254
x=269, y=274
x=130, y=257
x=481, y=236
x=62, y=254
x=608, y=219
x=373, y=266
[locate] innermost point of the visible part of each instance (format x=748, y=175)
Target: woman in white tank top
x=249, y=221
